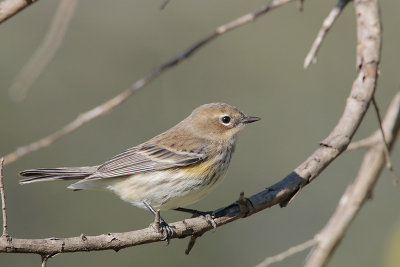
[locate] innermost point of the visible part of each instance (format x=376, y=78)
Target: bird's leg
x=208, y=215
x=159, y=224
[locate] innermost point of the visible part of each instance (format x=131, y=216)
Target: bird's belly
x=169, y=189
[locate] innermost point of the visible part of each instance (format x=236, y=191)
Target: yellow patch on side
x=203, y=168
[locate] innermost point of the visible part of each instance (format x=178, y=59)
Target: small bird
x=171, y=170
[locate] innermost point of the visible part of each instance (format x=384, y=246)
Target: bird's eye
x=226, y=119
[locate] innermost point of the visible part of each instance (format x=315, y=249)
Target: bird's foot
x=159, y=224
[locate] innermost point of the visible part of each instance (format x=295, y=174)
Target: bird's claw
x=167, y=230
x=208, y=217
x=163, y=228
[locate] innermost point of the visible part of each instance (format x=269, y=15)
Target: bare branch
x=45, y=52
x=9, y=8
x=3, y=202
x=384, y=140
x=287, y=253
x=120, y=98
x=372, y=140
x=189, y=227
x=44, y=260
x=366, y=142
x=357, y=193
x=326, y=26
x=192, y=241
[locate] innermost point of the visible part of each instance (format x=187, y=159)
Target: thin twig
x=366, y=142
x=357, y=193
x=44, y=260
x=300, y=5
x=3, y=201
x=192, y=241
x=120, y=98
x=389, y=165
x=9, y=8
x=164, y=4
x=45, y=52
x=287, y=253
x=326, y=26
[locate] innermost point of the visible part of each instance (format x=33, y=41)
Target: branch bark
x=357, y=193
x=350, y=202
x=368, y=56
x=9, y=8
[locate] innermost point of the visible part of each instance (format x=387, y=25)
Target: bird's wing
x=144, y=158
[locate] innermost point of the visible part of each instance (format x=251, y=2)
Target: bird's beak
x=250, y=119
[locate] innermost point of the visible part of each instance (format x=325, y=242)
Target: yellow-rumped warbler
x=171, y=170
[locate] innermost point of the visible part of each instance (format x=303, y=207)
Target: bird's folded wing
x=144, y=158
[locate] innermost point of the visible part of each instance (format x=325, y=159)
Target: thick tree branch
x=357, y=193
x=9, y=8
x=195, y=226
x=104, y=108
x=368, y=55
x=391, y=126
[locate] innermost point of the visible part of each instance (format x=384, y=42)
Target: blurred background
x=258, y=68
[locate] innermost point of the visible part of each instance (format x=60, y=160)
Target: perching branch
x=107, y=106
x=326, y=26
x=45, y=52
x=368, y=57
x=358, y=192
x=9, y=8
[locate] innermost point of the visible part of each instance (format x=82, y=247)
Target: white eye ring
x=226, y=119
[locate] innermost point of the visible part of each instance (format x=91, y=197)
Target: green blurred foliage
x=258, y=67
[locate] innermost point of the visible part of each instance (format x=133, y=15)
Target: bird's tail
x=54, y=174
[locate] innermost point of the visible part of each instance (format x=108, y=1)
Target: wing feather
x=144, y=158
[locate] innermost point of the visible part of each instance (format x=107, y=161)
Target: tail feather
x=53, y=174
